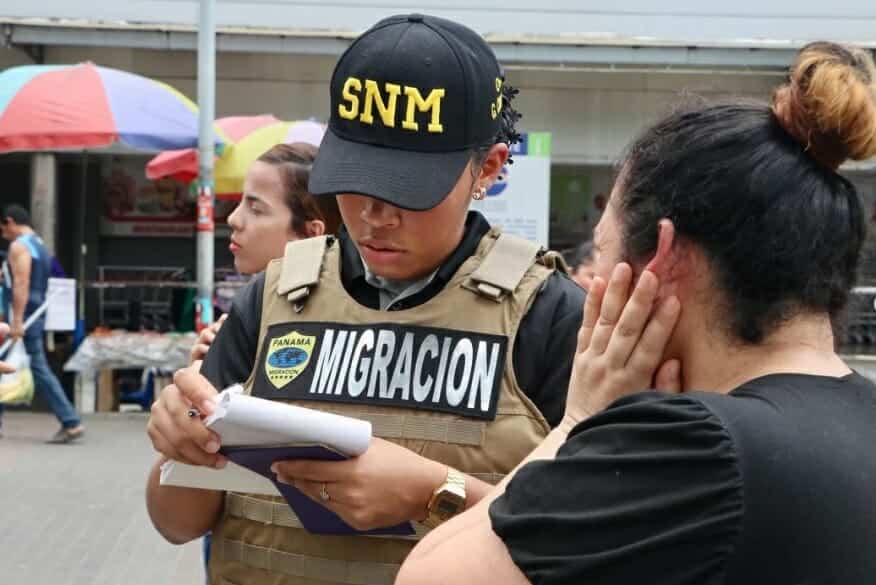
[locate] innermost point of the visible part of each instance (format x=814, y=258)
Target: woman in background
x=276, y=208
x=581, y=262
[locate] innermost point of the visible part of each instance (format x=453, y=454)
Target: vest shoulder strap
x=505, y=265
x=302, y=264
x=554, y=261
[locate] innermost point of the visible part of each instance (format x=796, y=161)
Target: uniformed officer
x=454, y=340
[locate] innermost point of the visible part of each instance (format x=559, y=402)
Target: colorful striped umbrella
x=231, y=167
x=54, y=107
x=182, y=164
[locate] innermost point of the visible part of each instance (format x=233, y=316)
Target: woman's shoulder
x=647, y=415
x=791, y=399
x=663, y=458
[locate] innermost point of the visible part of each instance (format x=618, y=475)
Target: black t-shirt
x=543, y=350
x=774, y=483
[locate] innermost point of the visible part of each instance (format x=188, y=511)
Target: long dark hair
x=756, y=186
x=295, y=160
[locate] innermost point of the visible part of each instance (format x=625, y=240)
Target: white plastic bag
x=17, y=387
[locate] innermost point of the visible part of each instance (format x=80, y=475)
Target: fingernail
x=221, y=462
x=207, y=407
x=274, y=468
x=212, y=446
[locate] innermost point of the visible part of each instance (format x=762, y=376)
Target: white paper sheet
x=242, y=420
x=233, y=478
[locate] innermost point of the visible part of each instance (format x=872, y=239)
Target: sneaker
x=64, y=436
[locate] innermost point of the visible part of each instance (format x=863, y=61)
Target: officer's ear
x=314, y=228
x=492, y=165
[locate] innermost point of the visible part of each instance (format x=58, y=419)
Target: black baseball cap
x=410, y=99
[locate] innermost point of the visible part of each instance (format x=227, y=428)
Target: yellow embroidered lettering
x=350, y=112
x=386, y=110
x=430, y=104
x=496, y=107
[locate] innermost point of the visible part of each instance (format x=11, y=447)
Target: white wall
x=594, y=115
x=680, y=20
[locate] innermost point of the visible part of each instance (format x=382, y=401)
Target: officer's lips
x=379, y=251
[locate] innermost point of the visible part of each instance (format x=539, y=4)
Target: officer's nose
x=380, y=215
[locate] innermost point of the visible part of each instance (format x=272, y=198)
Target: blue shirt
x=40, y=271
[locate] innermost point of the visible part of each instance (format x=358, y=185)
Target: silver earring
x=480, y=194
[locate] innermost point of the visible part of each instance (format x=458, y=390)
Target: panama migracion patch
x=288, y=357
x=387, y=364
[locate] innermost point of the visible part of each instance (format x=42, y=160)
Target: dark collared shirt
x=543, y=350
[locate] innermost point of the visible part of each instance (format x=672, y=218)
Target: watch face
x=448, y=505
x=447, y=508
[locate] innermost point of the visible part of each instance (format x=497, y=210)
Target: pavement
x=76, y=514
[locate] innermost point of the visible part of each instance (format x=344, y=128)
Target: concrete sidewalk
x=76, y=514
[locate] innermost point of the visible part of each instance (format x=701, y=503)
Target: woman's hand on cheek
x=621, y=344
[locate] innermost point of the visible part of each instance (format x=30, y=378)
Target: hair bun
x=829, y=103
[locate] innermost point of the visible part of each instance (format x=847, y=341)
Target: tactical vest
x=437, y=378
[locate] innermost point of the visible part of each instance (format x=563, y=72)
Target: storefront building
x=589, y=74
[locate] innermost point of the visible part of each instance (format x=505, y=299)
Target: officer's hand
x=621, y=344
x=205, y=340
x=385, y=486
x=173, y=432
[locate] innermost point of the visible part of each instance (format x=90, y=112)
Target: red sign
x=137, y=207
x=205, y=209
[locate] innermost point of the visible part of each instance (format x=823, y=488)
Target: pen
x=194, y=412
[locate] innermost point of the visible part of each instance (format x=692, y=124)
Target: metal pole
x=206, y=105
x=44, y=198
x=83, y=240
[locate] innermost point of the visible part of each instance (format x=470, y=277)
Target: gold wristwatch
x=447, y=501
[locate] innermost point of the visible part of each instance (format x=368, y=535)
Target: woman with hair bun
x=729, y=243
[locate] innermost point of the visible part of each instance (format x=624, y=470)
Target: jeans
x=45, y=381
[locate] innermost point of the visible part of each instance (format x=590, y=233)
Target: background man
x=25, y=282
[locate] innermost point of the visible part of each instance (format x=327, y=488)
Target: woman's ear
x=665, y=263
x=315, y=228
x=493, y=163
